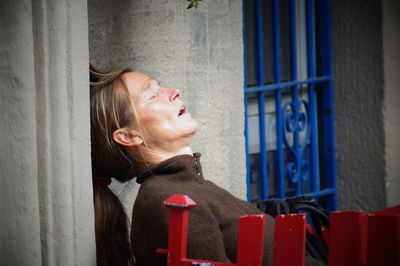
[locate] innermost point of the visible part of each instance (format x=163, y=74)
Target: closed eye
x=153, y=94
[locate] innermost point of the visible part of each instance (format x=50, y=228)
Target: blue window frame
x=288, y=98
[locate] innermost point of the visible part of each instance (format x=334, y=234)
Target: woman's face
x=163, y=116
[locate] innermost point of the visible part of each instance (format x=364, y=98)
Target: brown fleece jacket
x=213, y=223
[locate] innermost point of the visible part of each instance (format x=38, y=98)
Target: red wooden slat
x=364, y=239
x=251, y=240
x=345, y=238
x=397, y=232
x=395, y=210
x=289, y=239
x=383, y=240
x=177, y=239
x=179, y=206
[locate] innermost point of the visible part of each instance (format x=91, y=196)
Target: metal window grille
x=288, y=98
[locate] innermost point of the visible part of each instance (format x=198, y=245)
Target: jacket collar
x=185, y=165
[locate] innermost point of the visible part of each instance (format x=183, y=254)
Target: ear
x=127, y=137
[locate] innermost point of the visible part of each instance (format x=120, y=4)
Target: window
x=288, y=100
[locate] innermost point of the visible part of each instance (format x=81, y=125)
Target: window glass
x=251, y=48
x=284, y=34
x=268, y=40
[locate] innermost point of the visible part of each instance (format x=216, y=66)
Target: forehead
x=135, y=82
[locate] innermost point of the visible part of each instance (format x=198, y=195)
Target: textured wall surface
x=358, y=83
x=63, y=133
x=19, y=203
x=199, y=51
x=46, y=193
x=391, y=108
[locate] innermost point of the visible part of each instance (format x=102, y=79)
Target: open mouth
x=182, y=110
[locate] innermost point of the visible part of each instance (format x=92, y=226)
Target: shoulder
x=155, y=191
x=151, y=195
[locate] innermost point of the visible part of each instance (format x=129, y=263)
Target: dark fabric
x=213, y=223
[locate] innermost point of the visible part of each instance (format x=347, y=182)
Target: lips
x=182, y=110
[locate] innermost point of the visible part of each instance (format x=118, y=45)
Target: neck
x=157, y=156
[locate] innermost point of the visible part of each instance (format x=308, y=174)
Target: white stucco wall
x=391, y=106
x=46, y=193
x=19, y=199
x=199, y=51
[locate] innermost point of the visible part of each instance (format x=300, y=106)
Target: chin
x=190, y=129
x=195, y=126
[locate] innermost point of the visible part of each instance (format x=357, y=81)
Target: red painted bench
x=353, y=238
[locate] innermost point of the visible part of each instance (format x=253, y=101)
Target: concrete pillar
x=391, y=108
x=46, y=196
x=199, y=51
x=358, y=85
x=19, y=199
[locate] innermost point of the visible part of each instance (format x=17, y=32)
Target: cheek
x=154, y=115
x=155, y=121
x=157, y=111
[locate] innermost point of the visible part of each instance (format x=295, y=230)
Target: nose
x=174, y=94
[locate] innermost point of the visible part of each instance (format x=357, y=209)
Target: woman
x=142, y=129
